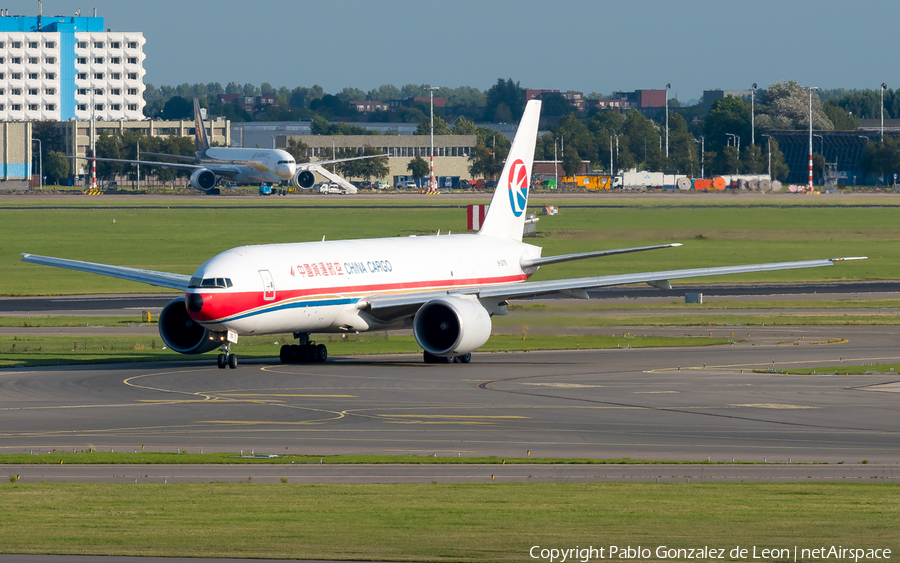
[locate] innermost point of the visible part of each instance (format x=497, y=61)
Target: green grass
x=437, y=522
x=841, y=368
x=775, y=319
x=43, y=350
x=91, y=456
x=180, y=238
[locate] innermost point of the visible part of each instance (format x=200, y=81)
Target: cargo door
x=268, y=285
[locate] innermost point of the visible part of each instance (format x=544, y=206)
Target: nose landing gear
x=305, y=352
x=227, y=359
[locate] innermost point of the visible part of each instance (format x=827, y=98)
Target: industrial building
x=451, y=152
x=15, y=155
x=69, y=67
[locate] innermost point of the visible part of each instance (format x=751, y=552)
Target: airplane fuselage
x=319, y=286
x=251, y=165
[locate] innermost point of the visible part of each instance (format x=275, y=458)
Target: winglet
x=848, y=258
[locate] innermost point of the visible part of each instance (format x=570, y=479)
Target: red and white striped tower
x=431, y=182
x=810, y=184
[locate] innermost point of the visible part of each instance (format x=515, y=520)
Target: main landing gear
x=432, y=359
x=226, y=358
x=305, y=352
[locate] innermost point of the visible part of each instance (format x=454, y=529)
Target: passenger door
x=268, y=285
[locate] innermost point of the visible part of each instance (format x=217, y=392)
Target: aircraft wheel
x=285, y=354
x=464, y=359
x=306, y=353
x=321, y=353
x=232, y=361
x=221, y=361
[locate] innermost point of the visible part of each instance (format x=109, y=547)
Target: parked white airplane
x=446, y=287
x=241, y=165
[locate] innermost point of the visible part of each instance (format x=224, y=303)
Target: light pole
x=823, y=150
x=769, y=146
x=737, y=142
x=810, y=184
x=667, y=119
x=822, y=145
x=611, y=171
x=40, y=164
x=883, y=88
x=752, y=116
x=702, y=155
x=431, y=90
x=139, y=164
x=645, y=149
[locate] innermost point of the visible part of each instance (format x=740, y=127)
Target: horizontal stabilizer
x=530, y=262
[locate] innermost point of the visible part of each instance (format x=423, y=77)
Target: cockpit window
x=206, y=283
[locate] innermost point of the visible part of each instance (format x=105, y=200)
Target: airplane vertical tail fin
x=200, y=139
x=506, y=216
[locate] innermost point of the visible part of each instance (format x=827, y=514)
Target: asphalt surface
x=675, y=404
x=556, y=473
x=123, y=305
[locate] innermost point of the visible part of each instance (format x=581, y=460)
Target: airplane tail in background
x=506, y=216
x=201, y=140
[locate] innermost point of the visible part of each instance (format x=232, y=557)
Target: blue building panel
x=15, y=170
x=66, y=76
x=53, y=24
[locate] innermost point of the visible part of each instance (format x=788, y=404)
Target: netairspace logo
x=585, y=554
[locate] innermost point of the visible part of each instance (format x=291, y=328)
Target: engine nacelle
x=304, y=179
x=452, y=326
x=181, y=333
x=203, y=179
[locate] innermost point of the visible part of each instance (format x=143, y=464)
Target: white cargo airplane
x=446, y=288
x=241, y=165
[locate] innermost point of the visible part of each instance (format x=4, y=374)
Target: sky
x=584, y=45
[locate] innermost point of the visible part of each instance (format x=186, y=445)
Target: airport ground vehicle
x=381, y=185
x=265, y=189
x=445, y=288
x=641, y=179
x=332, y=188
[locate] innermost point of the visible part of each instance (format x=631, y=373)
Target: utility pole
x=611, y=171
x=139, y=164
x=667, y=119
x=883, y=88
x=810, y=184
x=752, y=116
x=555, y=167
x=431, y=90
x=40, y=164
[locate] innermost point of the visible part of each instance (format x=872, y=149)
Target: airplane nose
x=194, y=302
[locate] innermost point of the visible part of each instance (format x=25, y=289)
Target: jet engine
x=181, y=333
x=452, y=326
x=304, y=179
x=203, y=179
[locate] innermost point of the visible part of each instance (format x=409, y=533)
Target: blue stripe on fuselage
x=294, y=305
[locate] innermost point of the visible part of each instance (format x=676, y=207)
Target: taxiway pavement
x=672, y=403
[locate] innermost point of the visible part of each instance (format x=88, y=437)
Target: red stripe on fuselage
x=223, y=304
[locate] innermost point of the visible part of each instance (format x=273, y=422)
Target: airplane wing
x=223, y=170
x=389, y=307
x=148, y=163
x=161, y=279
